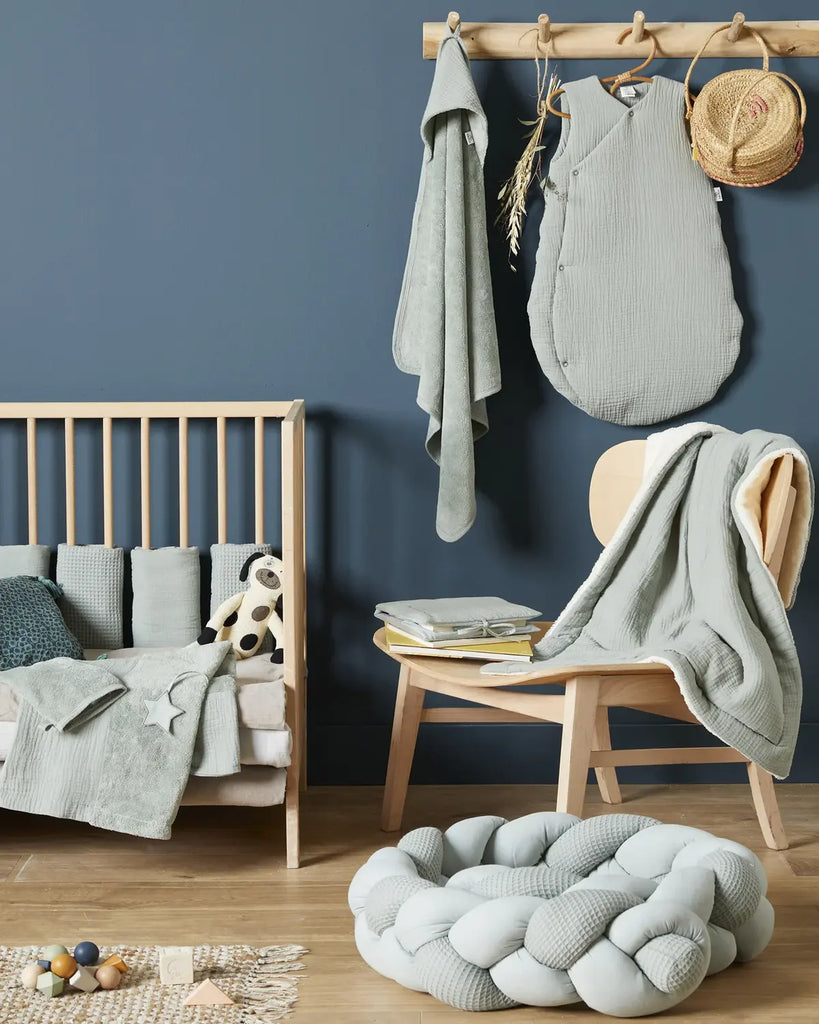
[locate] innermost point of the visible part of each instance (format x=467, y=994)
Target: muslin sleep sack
x=632, y=311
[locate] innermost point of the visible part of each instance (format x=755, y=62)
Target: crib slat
x=221, y=478
x=107, y=482
x=183, y=482
x=145, y=478
x=70, y=484
x=31, y=462
x=259, y=477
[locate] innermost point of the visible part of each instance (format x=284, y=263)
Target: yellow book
x=512, y=650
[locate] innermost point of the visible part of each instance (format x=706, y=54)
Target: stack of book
x=486, y=629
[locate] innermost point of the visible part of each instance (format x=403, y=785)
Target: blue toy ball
x=86, y=953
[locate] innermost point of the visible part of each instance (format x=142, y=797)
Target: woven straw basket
x=746, y=126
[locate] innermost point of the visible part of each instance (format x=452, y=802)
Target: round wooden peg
x=638, y=27
x=737, y=22
x=453, y=20
x=544, y=29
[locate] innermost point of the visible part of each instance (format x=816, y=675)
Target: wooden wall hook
x=638, y=27
x=737, y=22
x=453, y=20
x=544, y=29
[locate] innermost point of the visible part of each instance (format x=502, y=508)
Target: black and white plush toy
x=244, y=618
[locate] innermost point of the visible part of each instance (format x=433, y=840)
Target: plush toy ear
x=247, y=565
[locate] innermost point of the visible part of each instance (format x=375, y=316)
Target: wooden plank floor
x=222, y=879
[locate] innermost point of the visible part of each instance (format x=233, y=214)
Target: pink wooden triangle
x=208, y=994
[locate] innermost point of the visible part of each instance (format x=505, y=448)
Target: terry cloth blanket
x=445, y=325
x=113, y=742
x=682, y=582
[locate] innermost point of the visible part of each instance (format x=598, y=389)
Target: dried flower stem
x=515, y=190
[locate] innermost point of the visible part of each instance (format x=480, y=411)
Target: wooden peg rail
x=598, y=40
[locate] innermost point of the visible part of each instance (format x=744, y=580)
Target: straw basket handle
x=689, y=103
x=803, y=109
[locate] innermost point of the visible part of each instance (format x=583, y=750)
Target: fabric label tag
x=717, y=193
x=470, y=141
x=628, y=91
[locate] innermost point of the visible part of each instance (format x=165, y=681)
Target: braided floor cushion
x=620, y=911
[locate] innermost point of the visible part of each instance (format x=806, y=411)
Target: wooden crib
x=291, y=416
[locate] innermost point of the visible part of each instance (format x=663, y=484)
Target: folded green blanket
x=114, y=742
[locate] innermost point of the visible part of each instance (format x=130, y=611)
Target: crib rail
x=290, y=413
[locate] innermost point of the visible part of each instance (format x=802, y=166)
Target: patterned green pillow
x=31, y=626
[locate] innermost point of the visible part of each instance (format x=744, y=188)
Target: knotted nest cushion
x=620, y=911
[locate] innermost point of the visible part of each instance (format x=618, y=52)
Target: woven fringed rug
x=262, y=982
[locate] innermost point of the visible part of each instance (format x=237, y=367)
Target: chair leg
x=767, y=807
x=579, y=716
x=409, y=703
x=606, y=777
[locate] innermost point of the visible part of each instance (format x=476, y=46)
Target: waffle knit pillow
x=91, y=577
x=31, y=626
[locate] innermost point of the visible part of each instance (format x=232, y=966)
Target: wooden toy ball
x=86, y=953
x=51, y=951
x=108, y=977
x=30, y=974
x=63, y=965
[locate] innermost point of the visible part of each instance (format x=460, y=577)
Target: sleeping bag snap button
x=565, y=362
x=560, y=267
x=631, y=113
x=575, y=172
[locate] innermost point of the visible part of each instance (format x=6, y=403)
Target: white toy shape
x=175, y=965
x=244, y=618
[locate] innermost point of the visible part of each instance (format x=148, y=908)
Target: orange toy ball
x=64, y=965
x=108, y=977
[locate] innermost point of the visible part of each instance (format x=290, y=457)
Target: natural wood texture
x=31, y=468
x=184, y=499
x=294, y=598
x=606, y=777
x=258, y=478
x=108, y=481
x=591, y=689
x=145, y=479
x=767, y=807
x=576, y=745
x=221, y=879
x=409, y=704
x=221, y=480
x=598, y=40
x=70, y=484
x=292, y=416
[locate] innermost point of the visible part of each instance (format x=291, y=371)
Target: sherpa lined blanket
x=113, y=742
x=683, y=583
x=445, y=325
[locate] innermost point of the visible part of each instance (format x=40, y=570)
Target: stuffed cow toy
x=245, y=617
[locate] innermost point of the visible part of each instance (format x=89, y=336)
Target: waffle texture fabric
x=632, y=311
x=621, y=912
x=92, y=578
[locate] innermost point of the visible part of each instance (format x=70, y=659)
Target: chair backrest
x=619, y=472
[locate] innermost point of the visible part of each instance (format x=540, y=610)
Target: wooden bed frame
x=291, y=415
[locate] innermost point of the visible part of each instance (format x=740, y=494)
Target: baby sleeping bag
x=632, y=311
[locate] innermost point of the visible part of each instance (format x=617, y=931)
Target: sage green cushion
x=31, y=626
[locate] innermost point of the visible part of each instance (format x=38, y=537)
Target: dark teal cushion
x=31, y=626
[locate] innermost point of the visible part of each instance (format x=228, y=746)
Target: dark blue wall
x=212, y=200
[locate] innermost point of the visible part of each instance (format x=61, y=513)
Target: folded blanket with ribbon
x=445, y=325
x=114, y=742
x=683, y=583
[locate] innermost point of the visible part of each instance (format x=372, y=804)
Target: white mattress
x=257, y=746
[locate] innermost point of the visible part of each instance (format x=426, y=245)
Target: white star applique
x=162, y=712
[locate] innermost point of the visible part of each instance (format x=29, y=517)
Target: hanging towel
x=445, y=326
x=683, y=583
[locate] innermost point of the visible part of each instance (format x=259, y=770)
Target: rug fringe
x=271, y=992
